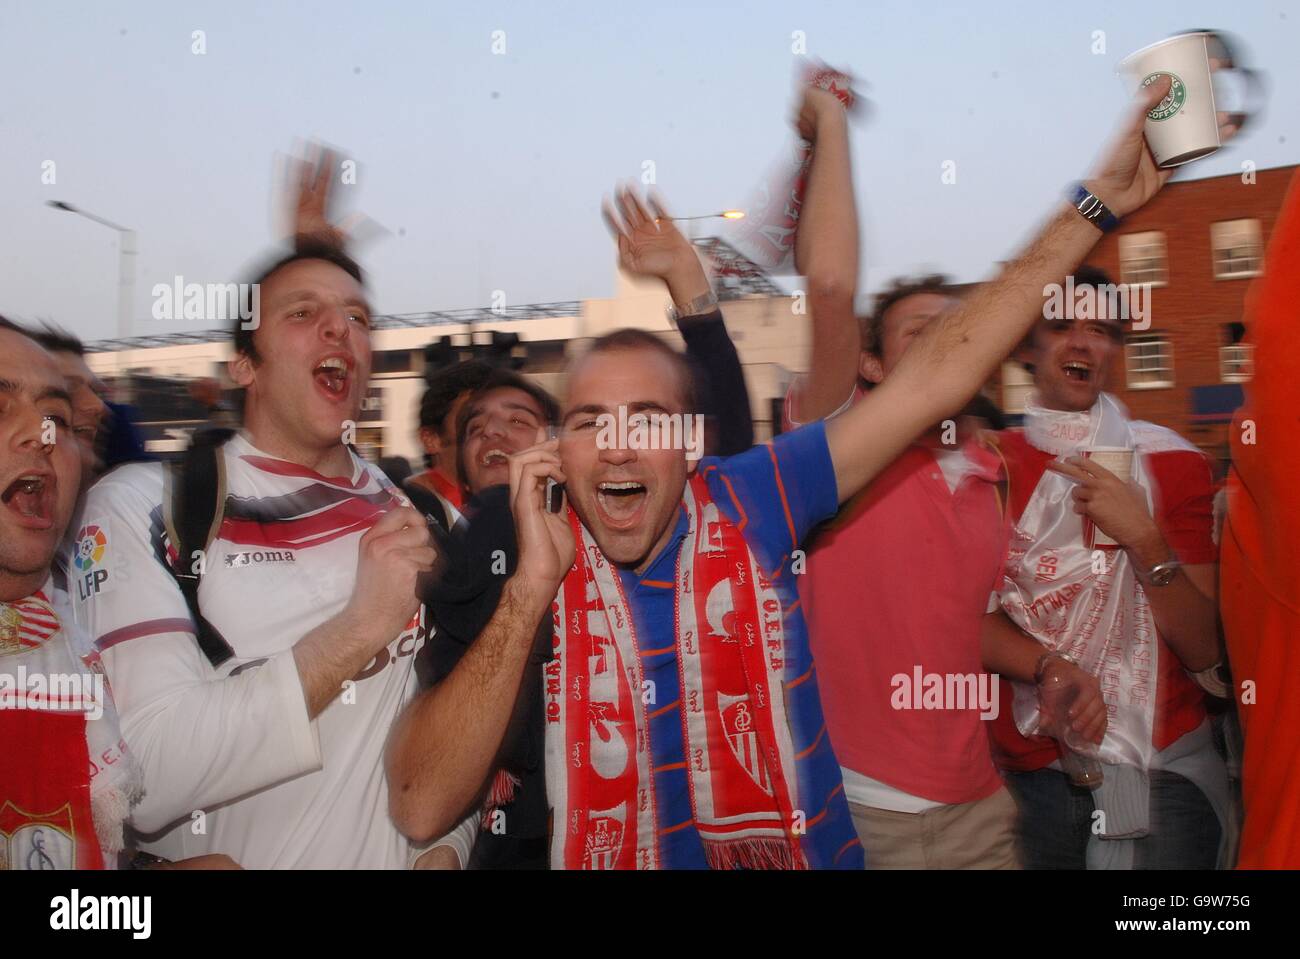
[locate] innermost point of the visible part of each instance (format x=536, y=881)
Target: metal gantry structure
x=736, y=276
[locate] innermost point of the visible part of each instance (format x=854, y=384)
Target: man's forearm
x=1008, y=650
x=826, y=252
x=710, y=347
x=1185, y=610
x=330, y=655
x=445, y=742
x=958, y=352
x=688, y=281
x=949, y=361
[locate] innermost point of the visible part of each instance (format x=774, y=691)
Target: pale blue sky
x=489, y=169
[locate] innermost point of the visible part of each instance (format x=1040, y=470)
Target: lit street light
x=125, y=264
x=723, y=215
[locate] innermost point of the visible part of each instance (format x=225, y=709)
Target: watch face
x=1163, y=575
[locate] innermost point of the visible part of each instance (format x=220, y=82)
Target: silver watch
x=1162, y=574
x=704, y=303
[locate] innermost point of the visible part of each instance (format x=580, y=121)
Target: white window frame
x=1016, y=384
x=1133, y=374
x=1242, y=237
x=1137, y=247
x=1236, y=363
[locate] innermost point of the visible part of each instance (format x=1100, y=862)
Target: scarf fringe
x=109, y=807
x=752, y=852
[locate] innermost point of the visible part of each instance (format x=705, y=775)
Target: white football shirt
x=231, y=762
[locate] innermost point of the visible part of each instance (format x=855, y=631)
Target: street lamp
x=125, y=264
x=722, y=214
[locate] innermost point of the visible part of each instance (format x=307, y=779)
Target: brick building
x=1199, y=244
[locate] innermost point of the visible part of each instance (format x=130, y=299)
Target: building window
x=384, y=362
x=1016, y=384
x=1235, y=357
x=1143, y=258
x=1238, y=249
x=1150, y=361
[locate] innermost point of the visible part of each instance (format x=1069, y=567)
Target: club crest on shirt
x=32, y=841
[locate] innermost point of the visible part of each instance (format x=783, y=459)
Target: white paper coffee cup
x=1119, y=460
x=1183, y=126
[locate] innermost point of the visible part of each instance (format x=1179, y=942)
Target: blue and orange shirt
x=775, y=494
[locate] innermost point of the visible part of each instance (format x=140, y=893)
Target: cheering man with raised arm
x=682, y=720
x=272, y=752
x=1140, y=617
x=440, y=758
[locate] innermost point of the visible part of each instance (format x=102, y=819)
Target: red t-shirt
x=1184, y=511
x=899, y=581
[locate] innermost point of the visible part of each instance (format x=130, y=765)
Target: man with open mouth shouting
x=66, y=781
x=501, y=418
x=444, y=753
x=264, y=738
x=682, y=721
x=1115, y=575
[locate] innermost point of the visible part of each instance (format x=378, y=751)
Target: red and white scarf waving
x=736, y=739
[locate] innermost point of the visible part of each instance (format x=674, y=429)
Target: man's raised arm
x=957, y=352
x=826, y=253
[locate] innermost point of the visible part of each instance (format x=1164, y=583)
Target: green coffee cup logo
x=1174, y=99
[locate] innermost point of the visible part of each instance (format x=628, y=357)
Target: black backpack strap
x=428, y=503
x=198, y=494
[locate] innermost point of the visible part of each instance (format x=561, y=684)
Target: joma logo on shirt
x=259, y=557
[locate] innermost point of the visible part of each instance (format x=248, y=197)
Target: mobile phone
x=554, y=491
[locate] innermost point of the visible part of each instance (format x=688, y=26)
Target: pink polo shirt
x=900, y=579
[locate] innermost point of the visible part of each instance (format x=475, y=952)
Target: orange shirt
x=1260, y=575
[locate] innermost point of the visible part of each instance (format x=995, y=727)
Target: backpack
x=192, y=516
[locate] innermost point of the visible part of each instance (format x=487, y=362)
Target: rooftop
x=736, y=276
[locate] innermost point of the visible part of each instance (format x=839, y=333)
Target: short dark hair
x=1086, y=275
x=303, y=250
x=629, y=338
x=445, y=387
x=871, y=327
x=8, y=324
x=1095, y=276
x=58, y=340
